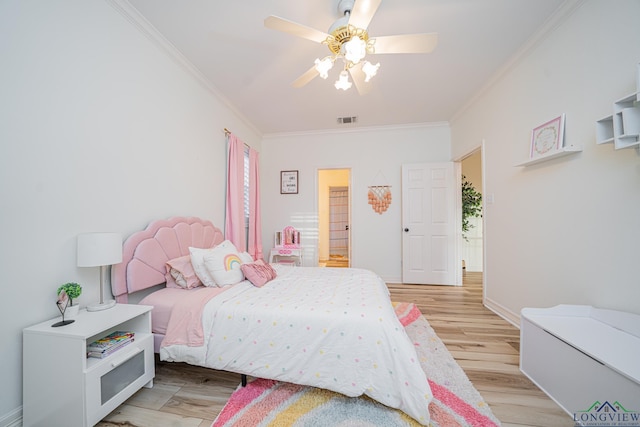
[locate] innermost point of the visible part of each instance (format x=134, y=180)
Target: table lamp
x=99, y=250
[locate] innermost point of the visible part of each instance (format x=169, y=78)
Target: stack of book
x=105, y=346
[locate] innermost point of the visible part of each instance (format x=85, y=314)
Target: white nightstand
x=61, y=386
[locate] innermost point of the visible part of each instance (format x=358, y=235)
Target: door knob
x=406, y=230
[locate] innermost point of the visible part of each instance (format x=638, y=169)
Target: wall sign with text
x=288, y=182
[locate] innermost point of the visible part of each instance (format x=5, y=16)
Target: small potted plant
x=73, y=291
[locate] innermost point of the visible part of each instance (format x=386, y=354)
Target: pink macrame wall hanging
x=380, y=195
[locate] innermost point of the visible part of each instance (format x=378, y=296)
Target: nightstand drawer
x=115, y=378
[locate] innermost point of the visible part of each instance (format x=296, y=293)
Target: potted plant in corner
x=73, y=291
x=471, y=207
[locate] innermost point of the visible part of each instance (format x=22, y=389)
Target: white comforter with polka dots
x=332, y=328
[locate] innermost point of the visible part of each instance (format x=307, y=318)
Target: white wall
x=99, y=131
x=564, y=231
x=375, y=239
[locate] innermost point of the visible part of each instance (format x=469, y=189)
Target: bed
x=332, y=328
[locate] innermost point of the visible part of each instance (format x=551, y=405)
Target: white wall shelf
x=623, y=126
x=626, y=122
x=604, y=130
x=564, y=151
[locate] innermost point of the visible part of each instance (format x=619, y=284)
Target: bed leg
x=243, y=378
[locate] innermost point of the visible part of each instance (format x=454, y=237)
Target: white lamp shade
x=370, y=70
x=344, y=82
x=323, y=66
x=98, y=249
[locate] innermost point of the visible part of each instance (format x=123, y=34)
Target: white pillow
x=223, y=264
x=246, y=258
x=197, y=260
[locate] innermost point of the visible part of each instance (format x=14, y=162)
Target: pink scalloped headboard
x=145, y=252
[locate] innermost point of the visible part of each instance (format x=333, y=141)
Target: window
x=246, y=194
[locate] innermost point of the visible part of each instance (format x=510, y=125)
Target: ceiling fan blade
x=309, y=75
x=407, y=43
x=362, y=13
x=290, y=27
x=358, y=77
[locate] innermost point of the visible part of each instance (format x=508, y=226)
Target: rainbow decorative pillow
x=223, y=264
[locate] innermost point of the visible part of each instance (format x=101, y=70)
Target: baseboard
x=12, y=419
x=390, y=279
x=503, y=312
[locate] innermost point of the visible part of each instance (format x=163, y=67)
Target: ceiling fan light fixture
x=369, y=70
x=342, y=22
x=348, y=40
x=343, y=82
x=355, y=49
x=323, y=66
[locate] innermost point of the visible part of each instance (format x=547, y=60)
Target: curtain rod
x=227, y=132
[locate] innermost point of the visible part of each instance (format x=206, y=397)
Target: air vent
x=347, y=120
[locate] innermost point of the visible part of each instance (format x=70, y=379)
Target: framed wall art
x=288, y=182
x=548, y=138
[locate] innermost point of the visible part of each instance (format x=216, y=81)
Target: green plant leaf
x=72, y=289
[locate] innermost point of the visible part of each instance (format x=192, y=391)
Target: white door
x=430, y=223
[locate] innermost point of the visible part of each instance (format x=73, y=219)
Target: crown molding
x=136, y=19
x=355, y=130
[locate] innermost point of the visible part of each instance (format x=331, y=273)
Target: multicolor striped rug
x=267, y=403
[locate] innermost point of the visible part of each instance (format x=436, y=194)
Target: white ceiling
x=253, y=67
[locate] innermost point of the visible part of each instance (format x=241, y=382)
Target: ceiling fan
x=348, y=40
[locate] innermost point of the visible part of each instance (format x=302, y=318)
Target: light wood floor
x=485, y=345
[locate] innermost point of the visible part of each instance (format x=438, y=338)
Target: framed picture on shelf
x=288, y=182
x=547, y=138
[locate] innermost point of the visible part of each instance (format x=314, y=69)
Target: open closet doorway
x=334, y=216
x=472, y=243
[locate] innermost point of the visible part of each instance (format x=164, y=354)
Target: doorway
x=472, y=243
x=473, y=167
x=334, y=216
